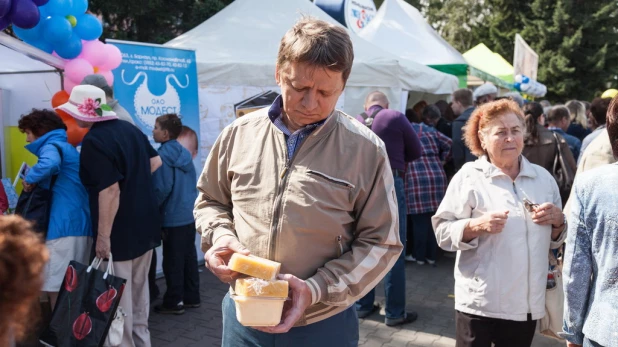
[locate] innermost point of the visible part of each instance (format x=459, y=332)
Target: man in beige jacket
x=305, y=185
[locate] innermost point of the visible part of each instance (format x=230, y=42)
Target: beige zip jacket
x=500, y=275
x=329, y=215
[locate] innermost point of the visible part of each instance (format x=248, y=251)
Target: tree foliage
x=153, y=21
x=575, y=39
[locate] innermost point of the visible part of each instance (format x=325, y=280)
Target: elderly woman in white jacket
x=502, y=215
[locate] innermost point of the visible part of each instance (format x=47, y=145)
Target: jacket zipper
x=527, y=250
x=284, y=177
x=332, y=179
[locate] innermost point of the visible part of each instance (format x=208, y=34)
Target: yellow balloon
x=610, y=93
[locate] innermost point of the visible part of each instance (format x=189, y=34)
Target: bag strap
x=55, y=177
x=558, y=156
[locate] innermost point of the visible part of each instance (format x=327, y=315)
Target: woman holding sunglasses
x=502, y=215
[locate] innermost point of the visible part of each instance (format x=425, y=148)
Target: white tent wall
x=25, y=83
x=237, y=48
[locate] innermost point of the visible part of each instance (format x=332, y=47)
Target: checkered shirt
x=425, y=181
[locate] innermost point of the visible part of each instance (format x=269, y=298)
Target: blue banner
x=155, y=80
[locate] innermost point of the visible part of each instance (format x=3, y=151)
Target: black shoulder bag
x=369, y=119
x=35, y=205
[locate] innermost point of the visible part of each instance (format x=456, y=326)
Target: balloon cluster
x=96, y=57
x=63, y=26
x=22, y=13
x=529, y=86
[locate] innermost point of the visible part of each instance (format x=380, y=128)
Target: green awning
x=490, y=66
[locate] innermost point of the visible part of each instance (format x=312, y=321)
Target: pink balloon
x=114, y=57
x=93, y=52
x=69, y=85
x=77, y=69
x=109, y=76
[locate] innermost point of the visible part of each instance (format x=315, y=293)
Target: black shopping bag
x=87, y=303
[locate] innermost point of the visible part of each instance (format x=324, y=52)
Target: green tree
x=576, y=42
x=153, y=21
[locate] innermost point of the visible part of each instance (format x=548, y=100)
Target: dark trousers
x=340, y=330
x=477, y=331
x=180, y=266
x=425, y=244
x=152, y=277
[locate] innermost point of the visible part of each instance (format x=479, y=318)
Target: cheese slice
x=258, y=287
x=254, y=266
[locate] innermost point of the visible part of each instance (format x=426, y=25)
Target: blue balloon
x=59, y=7
x=88, y=27
x=40, y=2
x=525, y=79
x=24, y=14
x=70, y=48
x=28, y=35
x=79, y=7
x=517, y=86
x=43, y=45
x=5, y=8
x=57, y=29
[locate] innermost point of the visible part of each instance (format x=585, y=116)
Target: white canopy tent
x=238, y=47
x=400, y=28
x=29, y=78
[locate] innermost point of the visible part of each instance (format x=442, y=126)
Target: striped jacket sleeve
x=213, y=207
x=374, y=251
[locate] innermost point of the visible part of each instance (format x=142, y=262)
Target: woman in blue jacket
x=69, y=234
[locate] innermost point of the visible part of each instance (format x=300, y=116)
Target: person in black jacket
x=463, y=106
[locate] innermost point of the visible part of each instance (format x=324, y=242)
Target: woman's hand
x=490, y=223
x=548, y=214
x=27, y=186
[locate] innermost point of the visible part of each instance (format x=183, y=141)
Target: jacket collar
x=490, y=170
x=58, y=135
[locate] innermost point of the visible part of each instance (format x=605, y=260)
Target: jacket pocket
x=332, y=180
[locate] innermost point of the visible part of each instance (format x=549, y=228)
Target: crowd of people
x=341, y=202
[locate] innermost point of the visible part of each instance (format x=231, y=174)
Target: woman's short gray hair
x=318, y=43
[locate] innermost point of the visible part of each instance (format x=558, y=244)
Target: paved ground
x=430, y=293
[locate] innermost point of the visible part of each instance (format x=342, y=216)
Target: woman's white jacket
x=498, y=275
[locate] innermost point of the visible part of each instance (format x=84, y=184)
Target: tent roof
x=483, y=58
x=18, y=56
x=399, y=28
x=238, y=46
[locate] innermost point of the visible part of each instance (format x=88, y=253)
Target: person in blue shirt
x=69, y=234
x=559, y=120
x=175, y=188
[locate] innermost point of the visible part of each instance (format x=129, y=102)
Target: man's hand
x=571, y=344
x=103, y=247
x=293, y=309
x=28, y=187
x=219, y=255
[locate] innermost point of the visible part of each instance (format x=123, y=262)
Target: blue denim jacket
x=590, y=261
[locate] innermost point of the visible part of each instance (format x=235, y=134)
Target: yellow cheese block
x=262, y=288
x=254, y=266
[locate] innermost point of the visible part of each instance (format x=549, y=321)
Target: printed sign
x=155, y=80
x=358, y=13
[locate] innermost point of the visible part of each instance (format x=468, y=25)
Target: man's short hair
x=431, y=112
x=557, y=114
x=170, y=122
x=317, y=43
x=599, y=108
x=464, y=97
x=376, y=98
x=100, y=82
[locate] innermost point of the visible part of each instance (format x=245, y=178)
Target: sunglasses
x=529, y=205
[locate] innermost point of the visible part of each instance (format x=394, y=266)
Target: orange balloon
x=60, y=98
x=65, y=116
x=74, y=132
